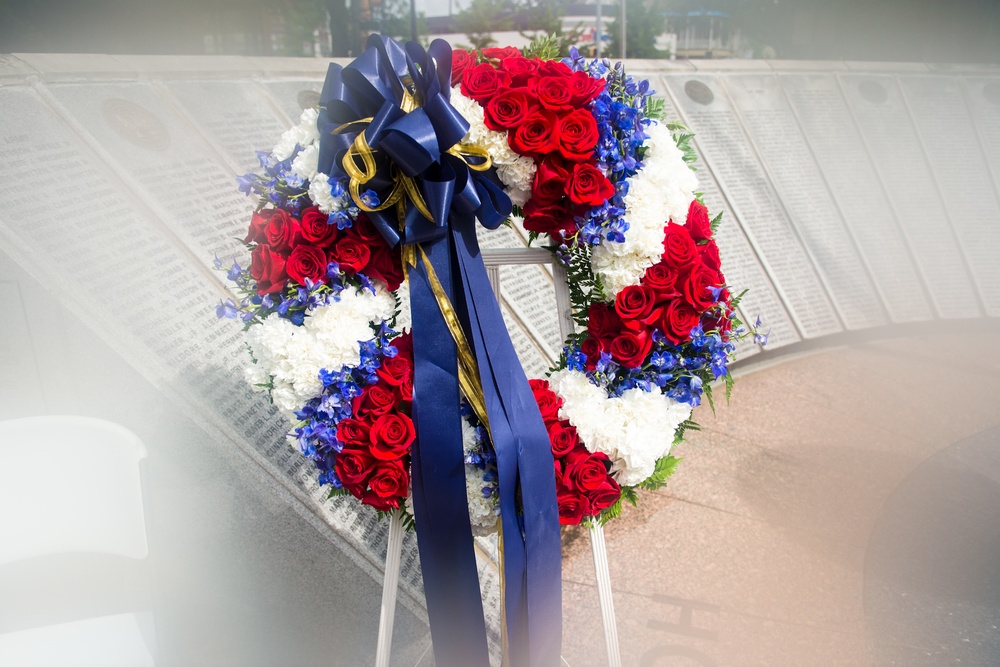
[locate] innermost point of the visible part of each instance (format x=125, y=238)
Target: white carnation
x=291, y=357
x=306, y=163
x=661, y=191
x=303, y=134
x=634, y=430
x=321, y=194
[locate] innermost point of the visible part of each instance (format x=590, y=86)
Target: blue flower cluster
x=316, y=434
x=278, y=184
x=621, y=121
x=679, y=371
x=291, y=304
x=482, y=455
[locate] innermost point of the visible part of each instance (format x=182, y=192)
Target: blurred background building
x=889, y=30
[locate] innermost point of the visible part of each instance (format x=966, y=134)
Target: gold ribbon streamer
x=468, y=370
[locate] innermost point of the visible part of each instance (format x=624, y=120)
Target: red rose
x=258, y=221
x=385, y=265
x=391, y=436
x=603, y=321
x=554, y=68
x=572, y=506
x=353, y=467
x=583, y=88
x=316, y=228
x=563, y=437
x=605, y=496
x=507, y=110
x=578, y=135
x=268, y=269
x=679, y=249
x=460, y=61
x=521, y=69
x=351, y=431
x=630, y=348
x=586, y=472
x=710, y=256
x=406, y=391
x=556, y=220
x=501, y=52
x=548, y=404
x=592, y=347
x=553, y=93
x=372, y=499
x=588, y=185
x=390, y=479
x=351, y=253
x=698, y=224
x=307, y=262
x=549, y=185
x=395, y=370
x=662, y=278
x=483, y=81
x=282, y=231
x=536, y=135
x=537, y=384
x=364, y=229
x=635, y=305
x=695, y=287
x=677, y=321
x=375, y=401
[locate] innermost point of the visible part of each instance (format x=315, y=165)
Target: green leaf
x=544, y=47
x=716, y=221
x=736, y=299
x=654, y=109
x=729, y=386
x=708, y=395
x=665, y=467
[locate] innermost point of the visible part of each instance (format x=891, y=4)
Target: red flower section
x=584, y=486
x=289, y=249
x=375, y=461
x=684, y=289
x=543, y=107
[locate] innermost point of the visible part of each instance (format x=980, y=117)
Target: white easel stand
x=389, y=587
x=604, y=591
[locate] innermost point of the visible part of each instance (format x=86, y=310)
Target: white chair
x=71, y=486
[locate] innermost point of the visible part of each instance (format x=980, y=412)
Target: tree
x=481, y=18
x=643, y=24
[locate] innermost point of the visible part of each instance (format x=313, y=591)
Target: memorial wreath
x=375, y=194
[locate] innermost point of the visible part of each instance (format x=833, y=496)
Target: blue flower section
x=316, y=433
x=621, y=121
x=677, y=370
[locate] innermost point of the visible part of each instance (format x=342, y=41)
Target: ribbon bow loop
x=395, y=102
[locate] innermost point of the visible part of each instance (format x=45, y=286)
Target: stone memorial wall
x=854, y=196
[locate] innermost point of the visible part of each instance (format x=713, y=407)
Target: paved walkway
x=779, y=539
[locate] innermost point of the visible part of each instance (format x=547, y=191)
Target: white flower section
x=482, y=516
x=303, y=134
x=321, y=194
x=515, y=171
x=661, y=191
x=292, y=356
x=306, y=163
x=634, y=430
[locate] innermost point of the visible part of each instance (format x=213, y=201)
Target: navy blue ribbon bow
x=386, y=121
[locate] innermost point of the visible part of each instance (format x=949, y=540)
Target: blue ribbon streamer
x=416, y=144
